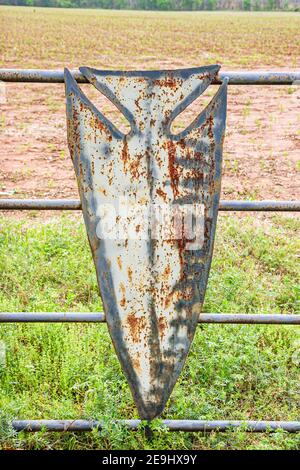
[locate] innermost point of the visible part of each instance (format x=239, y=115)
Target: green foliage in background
x=181, y=5
x=68, y=371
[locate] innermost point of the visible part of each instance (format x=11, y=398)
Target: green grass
x=146, y=39
x=70, y=371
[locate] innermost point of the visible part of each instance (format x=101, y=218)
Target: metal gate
x=235, y=78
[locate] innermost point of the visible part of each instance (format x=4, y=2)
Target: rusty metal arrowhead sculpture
x=152, y=287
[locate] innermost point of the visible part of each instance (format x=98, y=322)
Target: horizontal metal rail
x=82, y=425
x=99, y=317
x=74, y=204
x=260, y=206
x=235, y=78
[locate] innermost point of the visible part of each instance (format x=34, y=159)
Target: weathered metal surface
x=99, y=317
x=81, y=425
x=152, y=283
x=75, y=204
x=235, y=78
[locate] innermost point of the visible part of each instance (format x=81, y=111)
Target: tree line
x=177, y=5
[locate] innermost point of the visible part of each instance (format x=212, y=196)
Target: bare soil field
x=261, y=153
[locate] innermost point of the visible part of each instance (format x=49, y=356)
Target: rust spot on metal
x=181, y=243
x=119, y=261
x=123, y=298
x=125, y=154
x=136, y=326
x=182, y=144
x=162, y=326
x=162, y=193
x=173, y=171
x=168, y=82
x=167, y=270
x=131, y=164
x=137, y=103
x=137, y=364
x=129, y=272
x=95, y=123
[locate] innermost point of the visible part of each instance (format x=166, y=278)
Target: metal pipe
x=260, y=206
x=40, y=204
x=38, y=76
x=74, y=204
x=235, y=78
x=172, y=425
x=248, y=318
x=52, y=317
x=261, y=78
x=99, y=317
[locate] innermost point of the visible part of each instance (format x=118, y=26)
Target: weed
x=71, y=371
